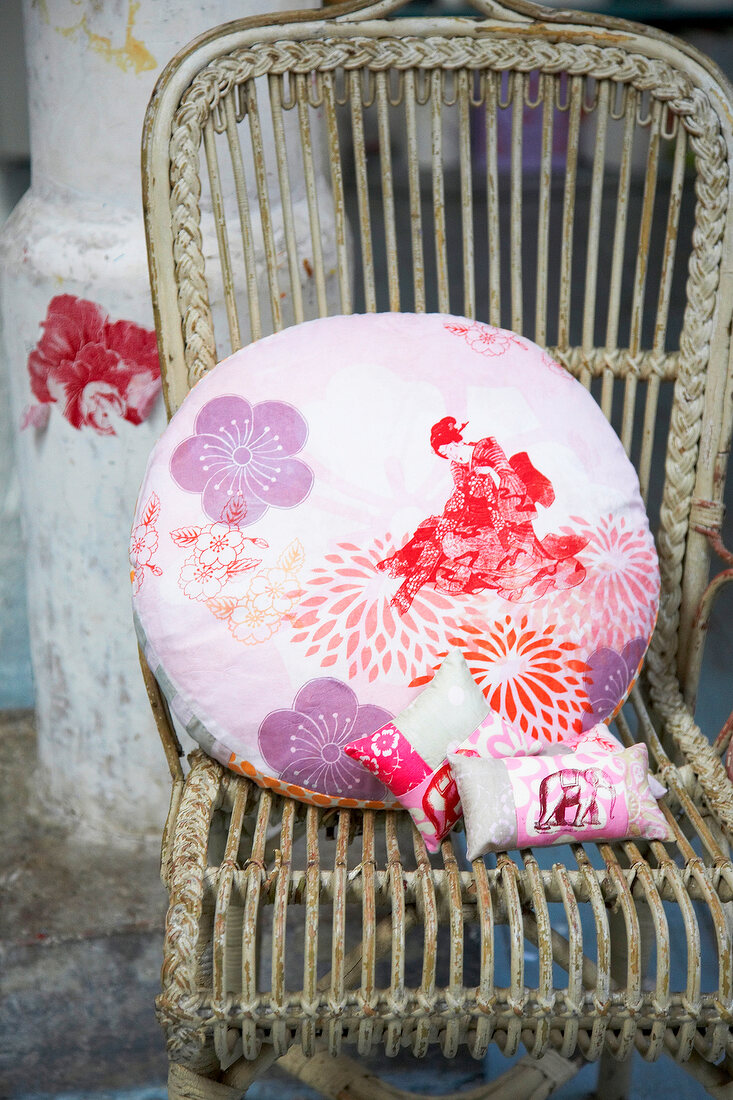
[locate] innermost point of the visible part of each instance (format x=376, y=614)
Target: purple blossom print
x=609, y=677
x=240, y=459
x=305, y=745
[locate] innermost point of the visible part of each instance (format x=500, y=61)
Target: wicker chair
x=468, y=227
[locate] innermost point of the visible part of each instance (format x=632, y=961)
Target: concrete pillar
x=77, y=319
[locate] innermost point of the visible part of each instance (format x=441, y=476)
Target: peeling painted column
x=85, y=402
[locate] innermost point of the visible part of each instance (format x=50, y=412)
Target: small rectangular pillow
x=525, y=801
x=433, y=799
x=597, y=741
x=448, y=709
x=402, y=752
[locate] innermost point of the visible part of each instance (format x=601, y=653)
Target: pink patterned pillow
x=403, y=752
x=527, y=801
x=389, y=756
x=334, y=506
x=434, y=802
x=430, y=793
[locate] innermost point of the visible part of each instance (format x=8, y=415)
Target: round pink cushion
x=335, y=505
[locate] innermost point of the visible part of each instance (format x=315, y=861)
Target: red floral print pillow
x=430, y=793
x=346, y=502
x=402, y=752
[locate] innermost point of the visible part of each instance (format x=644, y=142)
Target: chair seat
x=268, y=894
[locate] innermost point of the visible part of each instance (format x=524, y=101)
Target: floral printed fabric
x=429, y=792
x=242, y=455
x=304, y=744
x=402, y=753
x=587, y=795
x=389, y=756
x=432, y=795
x=433, y=800
x=351, y=500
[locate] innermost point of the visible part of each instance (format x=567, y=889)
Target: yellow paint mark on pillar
x=43, y=8
x=133, y=54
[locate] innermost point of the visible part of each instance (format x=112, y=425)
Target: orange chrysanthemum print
x=346, y=617
x=528, y=676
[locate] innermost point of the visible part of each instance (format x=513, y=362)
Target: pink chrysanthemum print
x=528, y=676
x=346, y=617
x=621, y=584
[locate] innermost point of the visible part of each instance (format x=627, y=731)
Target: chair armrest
x=171, y=745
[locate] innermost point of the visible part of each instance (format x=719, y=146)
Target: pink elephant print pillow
x=543, y=800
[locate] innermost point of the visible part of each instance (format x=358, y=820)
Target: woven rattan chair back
x=566, y=176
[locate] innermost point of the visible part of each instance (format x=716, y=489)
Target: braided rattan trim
x=181, y=948
x=500, y=53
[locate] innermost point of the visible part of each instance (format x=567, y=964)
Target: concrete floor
x=80, y=943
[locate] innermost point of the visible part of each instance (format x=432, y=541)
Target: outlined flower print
x=554, y=367
x=346, y=616
x=218, y=553
x=528, y=676
x=484, y=339
x=609, y=677
x=94, y=368
x=305, y=745
x=144, y=543
x=268, y=601
x=242, y=453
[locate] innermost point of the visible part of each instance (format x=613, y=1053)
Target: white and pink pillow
x=411, y=754
x=335, y=506
x=404, y=751
x=543, y=800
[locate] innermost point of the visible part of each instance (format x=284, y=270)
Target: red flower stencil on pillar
x=94, y=368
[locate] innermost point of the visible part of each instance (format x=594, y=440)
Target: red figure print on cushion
x=484, y=538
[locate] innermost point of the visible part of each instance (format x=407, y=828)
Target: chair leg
x=614, y=1078
x=185, y=1084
